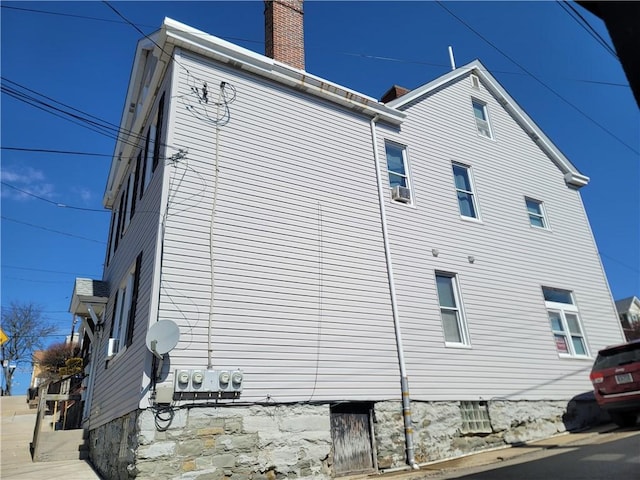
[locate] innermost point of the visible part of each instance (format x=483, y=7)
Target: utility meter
x=224, y=378
x=183, y=377
x=197, y=378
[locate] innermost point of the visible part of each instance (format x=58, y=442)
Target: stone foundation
x=294, y=441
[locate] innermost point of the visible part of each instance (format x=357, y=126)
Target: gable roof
x=571, y=174
x=624, y=305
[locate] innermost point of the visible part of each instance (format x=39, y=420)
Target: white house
x=358, y=286
x=629, y=313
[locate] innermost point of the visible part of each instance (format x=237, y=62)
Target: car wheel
x=626, y=419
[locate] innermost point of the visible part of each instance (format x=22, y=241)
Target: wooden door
x=351, y=434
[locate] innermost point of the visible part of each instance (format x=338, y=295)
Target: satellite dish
x=162, y=337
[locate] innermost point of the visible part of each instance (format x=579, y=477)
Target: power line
x=47, y=271
x=51, y=230
x=57, y=204
x=85, y=120
x=84, y=17
x=620, y=262
x=352, y=54
x=45, y=150
x=577, y=17
x=622, y=142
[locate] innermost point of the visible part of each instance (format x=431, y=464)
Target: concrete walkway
x=16, y=433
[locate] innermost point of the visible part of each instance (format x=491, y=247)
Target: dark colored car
x=616, y=382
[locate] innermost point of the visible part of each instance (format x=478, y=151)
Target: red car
x=616, y=382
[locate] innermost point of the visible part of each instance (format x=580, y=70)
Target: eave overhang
x=173, y=35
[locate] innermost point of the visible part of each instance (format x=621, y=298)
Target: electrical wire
x=584, y=114
x=63, y=152
x=67, y=112
x=352, y=54
x=57, y=204
x=83, y=17
x=580, y=20
x=51, y=230
x=47, y=271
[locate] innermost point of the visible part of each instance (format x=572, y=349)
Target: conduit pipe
x=404, y=381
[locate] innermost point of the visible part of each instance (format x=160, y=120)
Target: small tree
x=60, y=359
x=23, y=324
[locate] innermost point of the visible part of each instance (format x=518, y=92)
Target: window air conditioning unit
x=401, y=194
x=475, y=82
x=112, y=347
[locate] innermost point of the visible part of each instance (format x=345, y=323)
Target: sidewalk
x=16, y=433
x=452, y=468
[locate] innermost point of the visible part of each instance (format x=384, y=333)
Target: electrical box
x=204, y=383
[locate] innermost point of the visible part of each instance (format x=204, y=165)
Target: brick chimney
x=283, y=31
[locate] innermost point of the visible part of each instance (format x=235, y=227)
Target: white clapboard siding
x=301, y=296
x=512, y=352
x=118, y=382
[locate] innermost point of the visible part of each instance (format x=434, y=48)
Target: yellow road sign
x=3, y=337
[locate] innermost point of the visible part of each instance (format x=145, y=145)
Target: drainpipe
x=404, y=381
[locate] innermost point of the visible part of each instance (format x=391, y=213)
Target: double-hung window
x=565, y=322
x=453, y=320
x=464, y=190
x=398, y=170
x=124, y=310
x=536, y=213
x=482, y=118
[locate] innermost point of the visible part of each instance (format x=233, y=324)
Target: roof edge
x=572, y=176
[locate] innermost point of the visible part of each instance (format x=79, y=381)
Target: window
x=453, y=322
x=536, y=213
x=482, y=118
x=128, y=202
x=565, y=322
x=114, y=214
x=464, y=190
x=398, y=171
x=152, y=149
x=124, y=309
x=475, y=417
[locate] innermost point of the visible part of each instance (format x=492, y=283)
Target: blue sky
x=81, y=53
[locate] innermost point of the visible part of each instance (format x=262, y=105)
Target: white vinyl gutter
x=404, y=381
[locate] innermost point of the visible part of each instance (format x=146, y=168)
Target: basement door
x=351, y=434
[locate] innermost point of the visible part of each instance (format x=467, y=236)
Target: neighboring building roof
x=571, y=174
x=623, y=306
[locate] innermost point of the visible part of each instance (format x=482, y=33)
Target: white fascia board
x=213, y=47
x=124, y=132
x=571, y=174
x=176, y=34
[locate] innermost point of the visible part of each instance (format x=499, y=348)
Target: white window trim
x=123, y=308
x=474, y=195
x=480, y=123
x=461, y=315
x=148, y=170
x=543, y=214
x=407, y=170
x=114, y=231
x=129, y=200
x=572, y=308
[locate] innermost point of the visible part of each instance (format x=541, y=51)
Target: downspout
x=404, y=381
